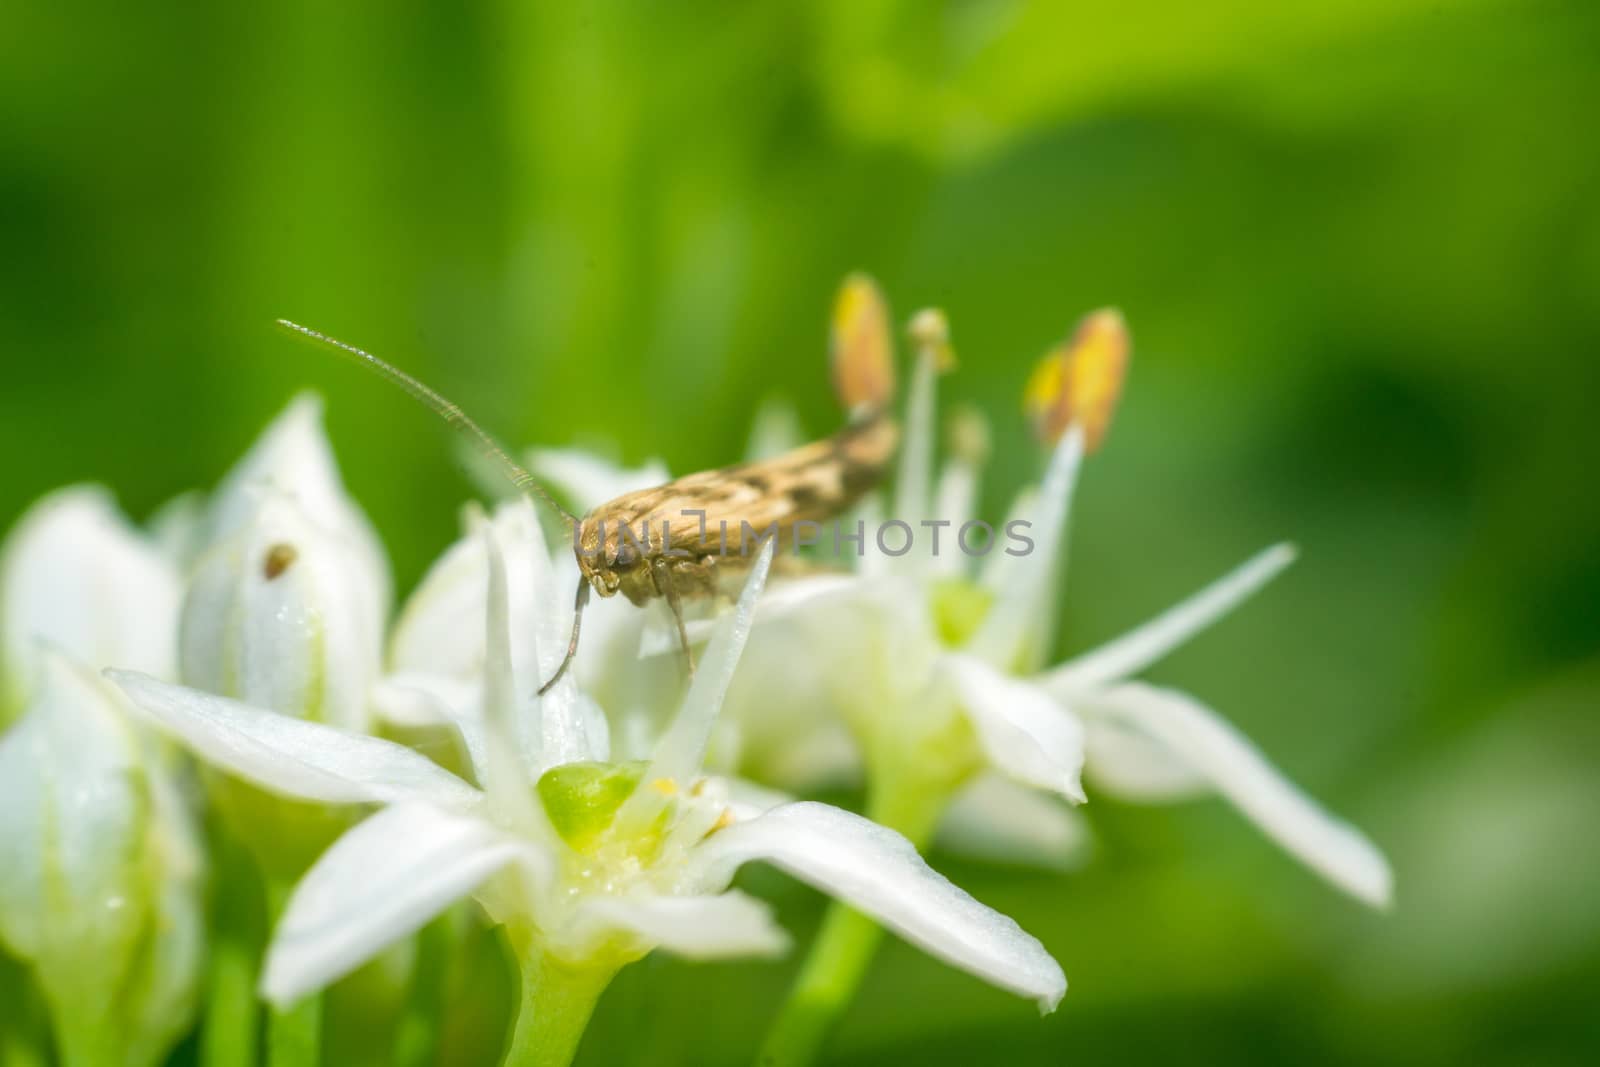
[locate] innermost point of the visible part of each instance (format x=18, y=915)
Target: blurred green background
x=1359, y=246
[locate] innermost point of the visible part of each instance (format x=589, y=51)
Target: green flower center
x=582, y=799
x=959, y=607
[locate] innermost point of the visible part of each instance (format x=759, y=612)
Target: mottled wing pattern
x=814, y=482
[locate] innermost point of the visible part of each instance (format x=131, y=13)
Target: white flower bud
x=293, y=457
x=75, y=573
x=99, y=873
x=281, y=614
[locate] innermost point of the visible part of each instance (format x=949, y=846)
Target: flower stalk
x=553, y=1009
x=231, y=1022
x=294, y=1031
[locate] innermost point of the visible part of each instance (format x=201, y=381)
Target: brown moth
x=682, y=539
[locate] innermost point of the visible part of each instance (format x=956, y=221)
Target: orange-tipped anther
x=1079, y=381
x=862, y=349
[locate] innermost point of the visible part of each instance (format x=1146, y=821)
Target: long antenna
x=440, y=405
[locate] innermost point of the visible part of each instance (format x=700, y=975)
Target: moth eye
x=626, y=556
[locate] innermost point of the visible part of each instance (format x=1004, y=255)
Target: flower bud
x=293, y=457
x=99, y=873
x=75, y=573
x=281, y=614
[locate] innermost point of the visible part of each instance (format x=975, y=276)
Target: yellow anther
x=967, y=433
x=665, y=786
x=1079, y=381
x=929, y=330
x=861, y=348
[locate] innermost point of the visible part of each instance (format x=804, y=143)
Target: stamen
x=967, y=434
x=930, y=333
x=861, y=347
x=1079, y=381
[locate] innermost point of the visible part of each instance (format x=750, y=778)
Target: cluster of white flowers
x=250, y=630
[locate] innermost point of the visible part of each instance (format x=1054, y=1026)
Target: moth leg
x=578, y=602
x=661, y=571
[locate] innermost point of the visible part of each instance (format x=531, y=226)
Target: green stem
x=231, y=1022
x=553, y=1010
x=294, y=1034
x=833, y=971
x=848, y=941
x=228, y=1034
x=24, y=1040
x=417, y=1043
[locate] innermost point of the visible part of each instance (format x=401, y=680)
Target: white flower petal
x=613, y=634
x=424, y=700
x=956, y=497
x=1026, y=735
x=441, y=630
x=510, y=768
x=683, y=747
x=302, y=759
x=1133, y=651
x=1020, y=628
x=788, y=597
x=871, y=647
x=724, y=926
x=878, y=872
x=913, y=482
x=998, y=567
x=805, y=666
x=746, y=799
x=1000, y=821
x=378, y=883
x=1329, y=846
x=75, y=574
x=1130, y=764
x=867, y=518
x=589, y=481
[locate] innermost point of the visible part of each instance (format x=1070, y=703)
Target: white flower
x=76, y=574
x=99, y=872
x=937, y=673
x=589, y=863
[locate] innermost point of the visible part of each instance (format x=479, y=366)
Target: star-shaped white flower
x=935, y=666
x=588, y=863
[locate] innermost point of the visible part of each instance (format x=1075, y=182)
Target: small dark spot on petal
x=279, y=559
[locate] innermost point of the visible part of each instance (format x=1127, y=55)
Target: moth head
x=605, y=555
